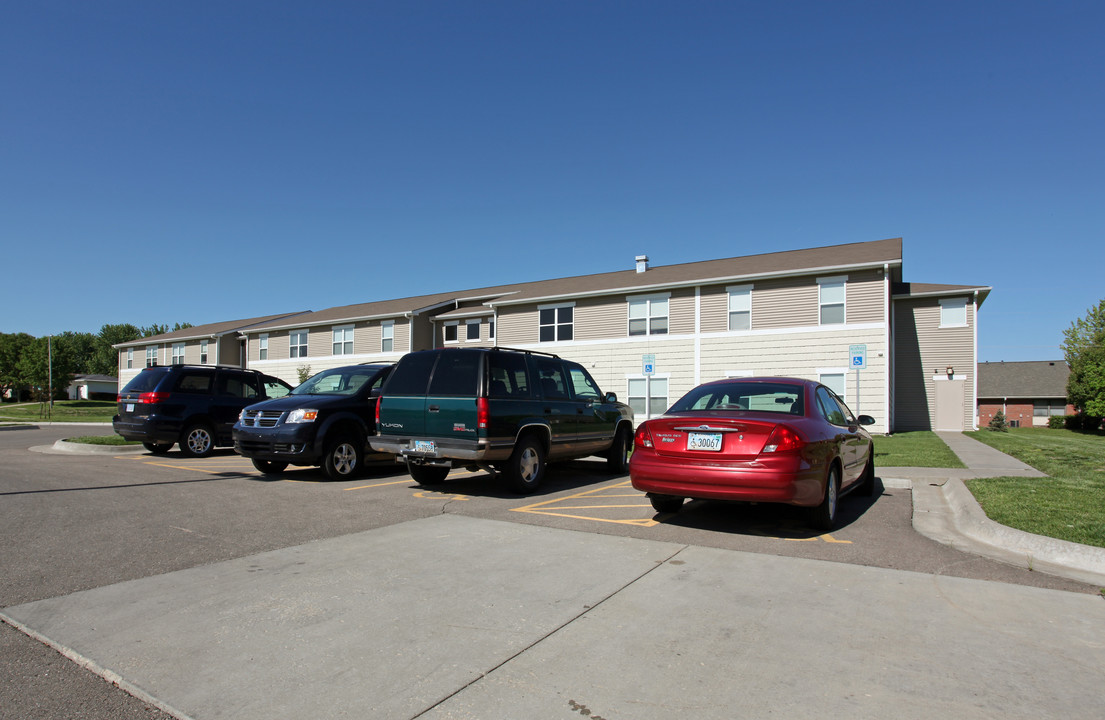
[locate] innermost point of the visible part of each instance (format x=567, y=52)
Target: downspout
x=974, y=366
x=889, y=340
x=410, y=330
x=697, y=335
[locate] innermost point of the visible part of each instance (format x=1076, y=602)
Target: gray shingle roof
x=1032, y=379
x=205, y=331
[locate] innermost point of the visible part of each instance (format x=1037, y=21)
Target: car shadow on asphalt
x=765, y=519
x=559, y=478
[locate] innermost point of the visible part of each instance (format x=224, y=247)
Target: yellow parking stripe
x=556, y=507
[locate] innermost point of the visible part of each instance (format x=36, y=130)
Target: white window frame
x=740, y=301
x=556, y=324
x=840, y=372
x=263, y=345
x=950, y=311
x=177, y=357
x=455, y=324
x=468, y=325
x=650, y=313
x=298, y=349
x=387, y=336
x=204, y=347
x=151, y=355
x=648, y=397
x=341, y=340
x=130, y=358
x=832, y=284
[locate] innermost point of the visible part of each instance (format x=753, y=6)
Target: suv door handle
x=434, y=408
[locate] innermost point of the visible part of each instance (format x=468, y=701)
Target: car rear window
x=737, y=395
x=509, y=376
x=145, y=381
x=457, y=373
x=412, y=374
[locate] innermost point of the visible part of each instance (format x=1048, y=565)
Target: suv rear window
x=412, y=374
x=145, y=381
x=457, y=373
x=199, y=383
x=508, y=375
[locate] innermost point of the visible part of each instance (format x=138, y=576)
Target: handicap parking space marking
x=604, y=504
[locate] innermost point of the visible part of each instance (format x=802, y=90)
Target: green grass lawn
x=1069, y=504
x=102, y=440
x=64, y=411
x=914, y=449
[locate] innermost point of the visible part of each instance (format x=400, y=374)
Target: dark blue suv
x=194, y=405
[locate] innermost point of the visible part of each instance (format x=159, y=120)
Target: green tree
x=106, y=359
x=12, y=347
x=1084, y=350
x=78, y=348
x=39, y=371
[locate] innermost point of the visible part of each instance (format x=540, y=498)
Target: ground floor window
x=648, y=396
x=1045, y=408
x=835, y=382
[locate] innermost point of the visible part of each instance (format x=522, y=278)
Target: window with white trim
x=297, y=343
x=178, y=354
x=648, y=315
x=491, y=328
x=835, y=381
x=472, y=330
x=648, y=396
x=451, y=330
x=740, y=307
x=263, y=347
x=387, y=336
x=130, y=358
x=151, y=355
x=953, y=312
x=555, y=323
x=343, y=340
x=1045, y=408
x=831, y=295
x=203, y=351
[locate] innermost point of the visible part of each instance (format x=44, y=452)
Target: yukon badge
x=397, y=426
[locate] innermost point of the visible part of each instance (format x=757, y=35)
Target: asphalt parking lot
x=77, y=529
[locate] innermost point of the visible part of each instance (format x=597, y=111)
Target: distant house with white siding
x=798, y=313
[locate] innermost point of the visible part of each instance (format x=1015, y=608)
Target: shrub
x=1057, y=422
x=998, y=423
x=1082, y=422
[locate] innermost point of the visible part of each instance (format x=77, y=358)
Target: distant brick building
x=1027, y=392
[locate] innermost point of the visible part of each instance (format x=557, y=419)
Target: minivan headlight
x=302, y=415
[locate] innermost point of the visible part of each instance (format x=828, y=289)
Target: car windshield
x=339, y=381
x=752, y=396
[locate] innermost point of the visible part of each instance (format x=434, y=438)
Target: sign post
x=858, y=355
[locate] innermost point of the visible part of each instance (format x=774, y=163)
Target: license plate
x=704, y=441
x=425, y=446
x=130, y=407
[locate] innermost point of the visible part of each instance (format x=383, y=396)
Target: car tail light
x=152, y=398
x=377, y=413
x=783, y=439
x=482, y=413
x=643, y=438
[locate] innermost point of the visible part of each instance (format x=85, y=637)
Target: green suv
x=505, y=411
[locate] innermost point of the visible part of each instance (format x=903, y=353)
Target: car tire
x=269, y=467
x=428, y=474
x=666, y=503
x=823, y=517
x=617, y=458
x=198, y=440
x=526, y=467
x=866, y=486
x=344, y=458
x=158, y=448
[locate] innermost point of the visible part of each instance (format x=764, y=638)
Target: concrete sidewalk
x=458, y=617
x=946, y=511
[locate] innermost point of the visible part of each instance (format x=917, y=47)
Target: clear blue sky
x=164, y=162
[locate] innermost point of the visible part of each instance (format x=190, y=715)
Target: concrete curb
x=64, y=447
x=948, y=513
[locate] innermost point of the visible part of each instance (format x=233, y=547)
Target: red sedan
x=781, y=440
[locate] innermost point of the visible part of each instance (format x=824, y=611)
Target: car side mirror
x=866, y=420
x=611, y=397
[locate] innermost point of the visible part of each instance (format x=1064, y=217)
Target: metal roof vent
x=642, y=263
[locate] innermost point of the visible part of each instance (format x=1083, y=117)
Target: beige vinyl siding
x=922, y=350
x=599, y=318
x=320, y=341
x=714, y=306
x=866, y=297
x=517, y=325
x=681, y=308
x=785, y=303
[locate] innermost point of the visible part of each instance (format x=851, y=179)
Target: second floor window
x=472, y=330
x=343, y=340
x=151, y=356
x=740, y=308
x=130, y=358
x=451, y=331
x=953, y=312
x=203, y=352
x=831, y=300
x=178, y=354
x=387, y=336
x=263, y=347
x=648, y=315
x=297, y=343
x=555, y=323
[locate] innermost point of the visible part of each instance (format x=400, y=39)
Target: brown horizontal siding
x=714, y=305
x=784, y=303
x=924, y=349
x=866, y=298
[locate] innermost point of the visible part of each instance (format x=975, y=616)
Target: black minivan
x=194, y=405
x=497, y=409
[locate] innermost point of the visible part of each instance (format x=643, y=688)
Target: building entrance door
x=949, y=405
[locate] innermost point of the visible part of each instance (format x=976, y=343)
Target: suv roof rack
x=528, y=352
